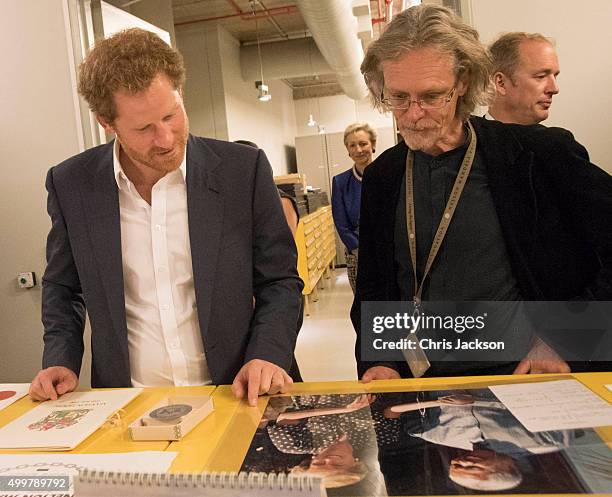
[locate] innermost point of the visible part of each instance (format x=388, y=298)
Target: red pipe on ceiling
x=388, y=12
x=245, y=16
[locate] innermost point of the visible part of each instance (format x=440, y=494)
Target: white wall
x=583, y=40
x=269, y=124
x=38, y=130
x=157, y=12
x=335, y=113
x=115, y=19
x=221, y=105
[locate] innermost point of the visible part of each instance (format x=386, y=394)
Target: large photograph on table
x=451, y=442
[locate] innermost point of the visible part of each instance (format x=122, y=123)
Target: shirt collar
x=489, y=117
x=122, y=179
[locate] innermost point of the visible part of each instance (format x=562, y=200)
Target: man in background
x=166, y=239
x=525, y=72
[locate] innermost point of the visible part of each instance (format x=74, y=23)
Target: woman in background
x=360, y=143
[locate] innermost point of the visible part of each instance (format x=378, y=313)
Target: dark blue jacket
x=346, y=204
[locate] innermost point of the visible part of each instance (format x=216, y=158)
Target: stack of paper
x=64, y=423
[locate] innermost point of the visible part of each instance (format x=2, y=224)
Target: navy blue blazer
x=346, y=204
x=241, y=248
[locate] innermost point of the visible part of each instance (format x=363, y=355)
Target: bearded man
x=468, y=209
x=176, y=245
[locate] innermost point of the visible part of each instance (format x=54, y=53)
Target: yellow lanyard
x=449, y=211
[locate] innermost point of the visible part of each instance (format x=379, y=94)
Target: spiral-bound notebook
x=107, y=484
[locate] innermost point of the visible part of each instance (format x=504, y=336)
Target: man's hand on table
x=380, y=373
x=542, y=359
x=52, y=382
x=258, y=377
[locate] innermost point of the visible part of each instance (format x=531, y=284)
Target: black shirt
x=472, y=263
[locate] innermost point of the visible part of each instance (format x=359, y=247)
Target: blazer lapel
x=205, y=212
x=101, y=205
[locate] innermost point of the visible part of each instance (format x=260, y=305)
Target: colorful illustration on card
x=59, y=420
x=7, y=394
x=451, y=442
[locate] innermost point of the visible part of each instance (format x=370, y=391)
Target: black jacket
x=553, y=205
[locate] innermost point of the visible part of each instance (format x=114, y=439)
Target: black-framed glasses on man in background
x=399, y=101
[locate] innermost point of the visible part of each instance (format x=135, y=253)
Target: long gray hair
x=432, y=26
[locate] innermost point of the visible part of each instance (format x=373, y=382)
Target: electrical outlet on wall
x=26, y=280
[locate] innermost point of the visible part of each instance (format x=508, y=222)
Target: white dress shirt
x=164, y=339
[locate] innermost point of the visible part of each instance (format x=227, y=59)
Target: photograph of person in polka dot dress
x=450, y=442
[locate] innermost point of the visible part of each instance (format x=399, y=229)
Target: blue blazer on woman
x=346, y=204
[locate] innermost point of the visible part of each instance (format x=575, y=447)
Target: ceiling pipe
x=334, y=29
x=388, y=17
x=245, y=16
x=388, y=11
x=295, y=35
x=272, y=21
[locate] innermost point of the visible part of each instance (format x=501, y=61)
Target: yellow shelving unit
x=316, y=246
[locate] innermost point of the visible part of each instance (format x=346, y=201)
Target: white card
x=11, y=392
x=63, y=423
x=135, y=462
x=554, y=405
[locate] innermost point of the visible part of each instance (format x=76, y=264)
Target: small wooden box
x=202, y=406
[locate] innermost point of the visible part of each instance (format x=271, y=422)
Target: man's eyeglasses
x=404, y=101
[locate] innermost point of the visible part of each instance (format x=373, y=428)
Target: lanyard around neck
x=449, y=210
